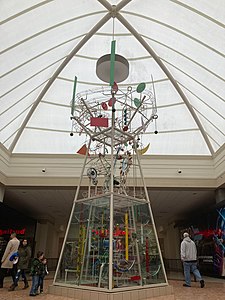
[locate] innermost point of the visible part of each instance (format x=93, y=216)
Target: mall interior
x=159, y=67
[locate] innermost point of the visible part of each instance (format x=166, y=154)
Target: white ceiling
x=44, y=44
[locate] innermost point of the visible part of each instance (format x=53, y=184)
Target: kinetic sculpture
x=111, y=226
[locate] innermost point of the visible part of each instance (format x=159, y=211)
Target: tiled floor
x=214, y=290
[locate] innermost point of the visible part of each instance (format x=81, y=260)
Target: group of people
x=16, y=258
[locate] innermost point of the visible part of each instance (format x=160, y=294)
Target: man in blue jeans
x=188, y=254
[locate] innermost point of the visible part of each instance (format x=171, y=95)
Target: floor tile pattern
x=214, y=290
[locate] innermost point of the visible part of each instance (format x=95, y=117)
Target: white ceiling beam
x=106, y=4
x=114, y=8
x=122, y=4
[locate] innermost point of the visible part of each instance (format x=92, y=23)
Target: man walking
x=11, y=248
x=188, y=254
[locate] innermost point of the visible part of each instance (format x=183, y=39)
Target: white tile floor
x=214, y=290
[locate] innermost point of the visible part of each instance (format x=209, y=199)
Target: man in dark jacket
x=24, y=252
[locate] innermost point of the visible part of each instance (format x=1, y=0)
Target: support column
x=2, y=192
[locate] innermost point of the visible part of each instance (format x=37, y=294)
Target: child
x=35, y=272
x=44, y=271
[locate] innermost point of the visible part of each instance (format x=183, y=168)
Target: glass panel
x=85, y=258
x=177, y=142
x=135, y=254
x=86, y=251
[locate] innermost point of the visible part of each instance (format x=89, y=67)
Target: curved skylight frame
x=118, y=12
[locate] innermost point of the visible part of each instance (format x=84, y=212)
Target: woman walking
x=24, y=252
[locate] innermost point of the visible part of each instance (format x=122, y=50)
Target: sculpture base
x=134, y=294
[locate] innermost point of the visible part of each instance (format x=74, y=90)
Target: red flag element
x=83, y=150
x=104, y=106
x=99, y=122
x=115, y=87
x=135, y=278
x=112, y=101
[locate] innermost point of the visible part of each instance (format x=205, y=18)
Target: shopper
x=6, y=263
x=35, y=272
x=188, y=253
x=44, y=272
x=24, y=252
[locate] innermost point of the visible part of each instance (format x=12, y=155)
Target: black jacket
x=36, y=267
x=24, y=257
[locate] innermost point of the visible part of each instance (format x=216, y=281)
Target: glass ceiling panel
x=189, y=46
x=60, y=92
x=190, y=82
x=7, y=142
x=166, y=94
x=8, y=103
x=187, y=143
x=162, y=12
x=216, y=115
x=52, y=16
x=37, y=60
x=126, y=45
x=40, y=141
x=212, y=130
x=173, y=117
x=10, y=115
x=11, y=8
x=45, y=41
x=13, y=80
x=20, y=90
x=52, y=117
x=192, y=68
x=187, y=40
x=212, y=9
x=11, y=126
x=214, y=144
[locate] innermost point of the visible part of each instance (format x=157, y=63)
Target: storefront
x=14, y=221
x=208, y=232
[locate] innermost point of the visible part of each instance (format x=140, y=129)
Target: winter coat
x=188, y=251
x=11, y=247
x=44, y=270
x=36, y=267
x=24, y=257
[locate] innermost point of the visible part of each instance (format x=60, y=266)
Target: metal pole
x=71, y=214
x=150, y=211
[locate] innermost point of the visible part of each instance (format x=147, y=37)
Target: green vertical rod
x=112, y=62
x=74, y=95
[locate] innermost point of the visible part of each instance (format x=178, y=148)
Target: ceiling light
x=121, y=68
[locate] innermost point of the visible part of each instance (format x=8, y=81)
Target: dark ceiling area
x=55, y=204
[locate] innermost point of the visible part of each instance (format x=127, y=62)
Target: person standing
x=44, y=272
x=24, y=252
x=188, y=252
x=35, y=272
x=11, y=248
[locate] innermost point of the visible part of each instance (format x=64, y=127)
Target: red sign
x=10, y=230
x=99, y=122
